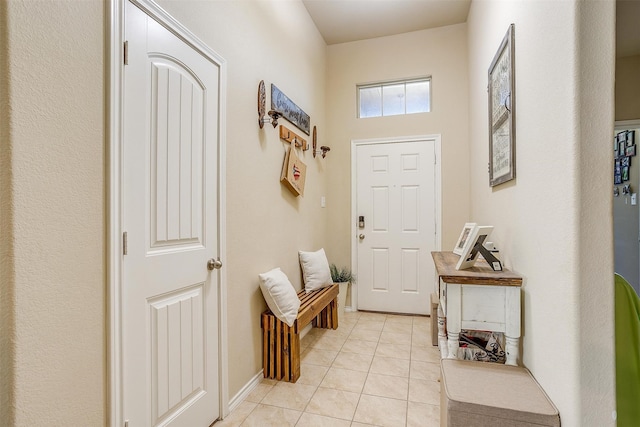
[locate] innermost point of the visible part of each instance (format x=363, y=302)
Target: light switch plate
x=634, y=199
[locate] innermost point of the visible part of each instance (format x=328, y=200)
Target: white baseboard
x=245, y=391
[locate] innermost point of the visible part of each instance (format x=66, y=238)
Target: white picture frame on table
x=464, y=237
x=479, y=234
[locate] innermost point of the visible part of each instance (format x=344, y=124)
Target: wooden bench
x=281, y=343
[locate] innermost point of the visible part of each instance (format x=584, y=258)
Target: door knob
x=214, y=264
x=361, y=237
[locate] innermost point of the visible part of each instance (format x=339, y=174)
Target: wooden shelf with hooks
x=290, y=136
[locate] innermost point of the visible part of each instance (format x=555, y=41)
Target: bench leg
x=294, y=353
x=281, y=343
x=328, y=317
x=268, y=345
x=280, y=349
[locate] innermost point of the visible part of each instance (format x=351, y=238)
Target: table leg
x=454, y=343
x=442, y=334
x=512, y=351
x=512, y=333
x=454, y=318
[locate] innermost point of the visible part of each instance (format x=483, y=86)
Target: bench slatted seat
x=281, y=342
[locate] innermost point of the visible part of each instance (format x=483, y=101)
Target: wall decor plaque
x=290, y=111
x=502, y=103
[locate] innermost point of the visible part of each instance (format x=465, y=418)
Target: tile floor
x=374, y=370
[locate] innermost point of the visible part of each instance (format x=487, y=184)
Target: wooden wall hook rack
x=290, y=136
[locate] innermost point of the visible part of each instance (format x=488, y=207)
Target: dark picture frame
x=502, y=103
x=630, y=137
x=625, y=173
x=630, y=150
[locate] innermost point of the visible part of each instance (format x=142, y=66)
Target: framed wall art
x=502, y=102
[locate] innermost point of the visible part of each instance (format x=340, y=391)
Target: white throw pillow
x=315, y=270
x=280, y=295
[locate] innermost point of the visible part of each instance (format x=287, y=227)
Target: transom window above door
x=394, y=98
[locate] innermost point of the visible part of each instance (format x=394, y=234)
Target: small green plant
x=343, y=274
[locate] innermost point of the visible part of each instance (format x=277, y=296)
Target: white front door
x=171, y=216
x=396, y=195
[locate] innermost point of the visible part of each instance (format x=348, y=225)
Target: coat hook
x=274, y=116
x=324, y=150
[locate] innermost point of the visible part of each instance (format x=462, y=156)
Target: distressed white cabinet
x=477, y=298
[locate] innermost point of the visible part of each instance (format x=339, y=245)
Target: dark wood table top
x=479, y=274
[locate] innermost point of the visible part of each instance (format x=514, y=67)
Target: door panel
x=170, y=214
x=395, y=186
x=177, y=109
x=177, y=342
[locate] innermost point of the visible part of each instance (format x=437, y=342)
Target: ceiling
x=341, y=21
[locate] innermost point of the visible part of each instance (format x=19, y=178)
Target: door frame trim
x=355, y=143
x=115, y=96
x=625, y=124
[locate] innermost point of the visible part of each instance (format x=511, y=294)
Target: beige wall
x=554, y=226
x=53, y=220
x=440, y=53
x=58, y=286
x=554, y=222
x=266, y=225
x=627, y=88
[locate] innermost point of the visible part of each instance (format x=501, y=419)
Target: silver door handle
x=214, y=264
x=361, y=237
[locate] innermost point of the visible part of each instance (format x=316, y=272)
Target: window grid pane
x=371, y=102
x=393, y=100
x=418, y=97
x=396, y=98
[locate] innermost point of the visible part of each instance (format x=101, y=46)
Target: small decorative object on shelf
x=474, y=246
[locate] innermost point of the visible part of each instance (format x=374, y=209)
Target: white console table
x=477, y=298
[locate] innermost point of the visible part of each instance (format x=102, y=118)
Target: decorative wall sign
x=290, y=111
x=502, y=103
x=294, y=172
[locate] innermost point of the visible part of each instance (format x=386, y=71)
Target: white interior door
x=396, y=195
x=171, y=216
